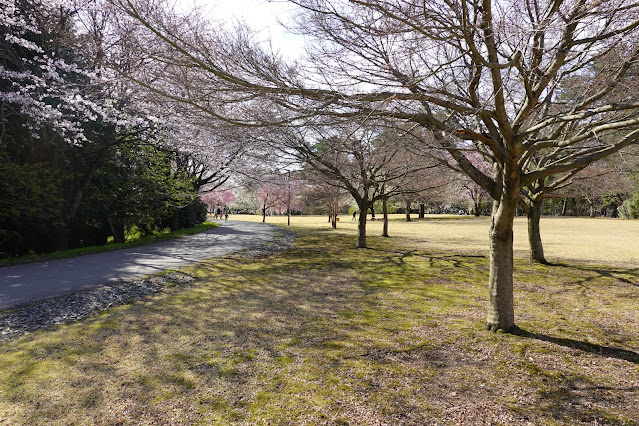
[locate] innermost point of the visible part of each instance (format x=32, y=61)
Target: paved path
x=24, y=284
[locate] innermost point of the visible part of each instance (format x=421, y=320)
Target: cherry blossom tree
x=218, y=197
x=273, y=197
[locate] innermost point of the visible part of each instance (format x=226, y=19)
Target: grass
x=329, y=334
x=576, y=239
x=134, y=240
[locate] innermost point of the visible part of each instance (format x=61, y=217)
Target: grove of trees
x=84, y=155
x=519, y=97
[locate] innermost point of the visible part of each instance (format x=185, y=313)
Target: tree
x=476, y=195
x=218, y=197
x=360, y=159
x=592, y=183
x=424, y=174
x=599, y=181
x=272, y=197
x=321, y=191
x=483, y=76
x=59, y=113
x=82, y=137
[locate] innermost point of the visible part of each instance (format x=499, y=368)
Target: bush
x=187, y=217
x=630, y=208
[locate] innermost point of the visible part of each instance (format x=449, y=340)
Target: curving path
x=34, y=282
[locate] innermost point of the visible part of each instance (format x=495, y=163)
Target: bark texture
x=361, y=225
x=534, y=232
x=385, y=212
x=501, y=311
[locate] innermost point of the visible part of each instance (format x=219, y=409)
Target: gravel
x=74, y=307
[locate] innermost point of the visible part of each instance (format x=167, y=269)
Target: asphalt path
x=34, y=282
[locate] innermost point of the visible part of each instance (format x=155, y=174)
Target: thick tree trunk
x=422, y=210
x=501, y=311
x=408, y=204
x=361, y=225
x=534, y=233
x=385, y=212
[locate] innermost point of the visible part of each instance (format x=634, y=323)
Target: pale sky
x=262, y=15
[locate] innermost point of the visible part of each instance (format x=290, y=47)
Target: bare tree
x=320, y=191
x=423, y=174
x=369, y=161
x=479, y=75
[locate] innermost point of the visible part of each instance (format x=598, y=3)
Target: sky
x=262, y=15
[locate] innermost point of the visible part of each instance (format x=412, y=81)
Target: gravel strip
x=77, y=306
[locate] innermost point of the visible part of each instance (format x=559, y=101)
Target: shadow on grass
x=605, y=351
x=318, y=334
x=602, y=272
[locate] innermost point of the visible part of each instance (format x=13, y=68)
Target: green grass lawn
x=330, y=334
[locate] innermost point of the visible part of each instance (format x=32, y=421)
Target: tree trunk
x=385, y=212
x=117, y=230
x=361, y=226
x=501, y=311
x=175, y=221
x=534, y=233
x=60, y=237
x=422, y=210
x=263, y=214
x=563, y=207
x=408, y=204
x=372, y=208
x=577, y=207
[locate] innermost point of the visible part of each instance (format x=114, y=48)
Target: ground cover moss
x=330, y=334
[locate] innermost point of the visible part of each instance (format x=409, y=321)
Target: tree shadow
x=602, y=272
x=604, y=351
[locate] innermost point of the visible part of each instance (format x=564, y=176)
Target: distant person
x=354, y=214
x=226, y=216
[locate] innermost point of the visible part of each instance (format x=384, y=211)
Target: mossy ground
x=330, y=334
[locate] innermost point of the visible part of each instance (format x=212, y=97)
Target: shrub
x=630, y=208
